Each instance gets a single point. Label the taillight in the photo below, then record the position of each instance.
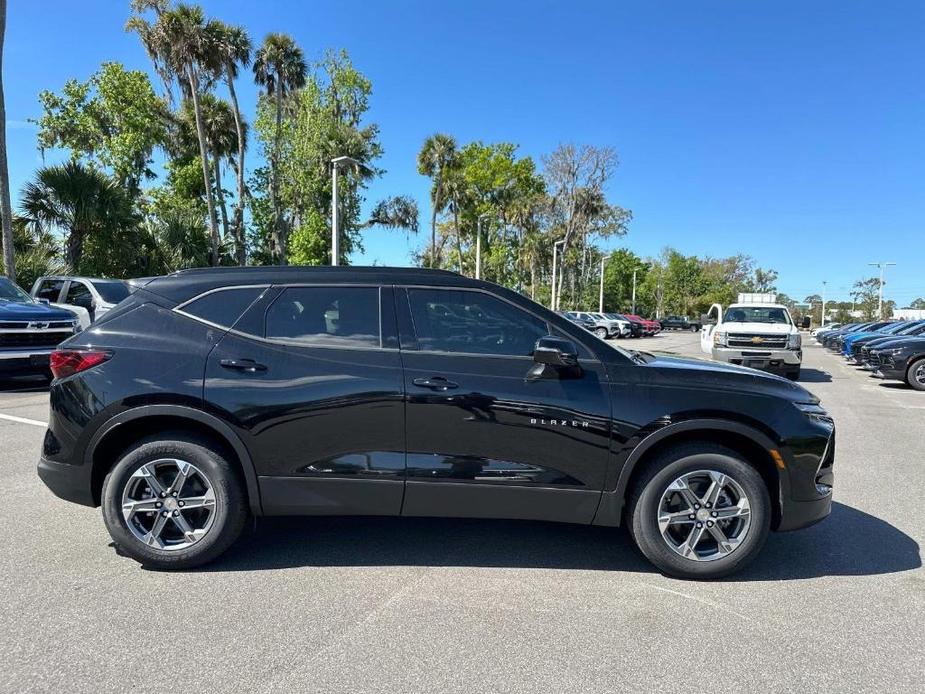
(66, 362)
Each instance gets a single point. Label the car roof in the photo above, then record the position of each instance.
(186, 284)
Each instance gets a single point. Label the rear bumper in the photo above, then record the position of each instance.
(68, 482)
(25, 360)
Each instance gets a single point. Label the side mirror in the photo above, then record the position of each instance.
(43, 301)
(555, 351)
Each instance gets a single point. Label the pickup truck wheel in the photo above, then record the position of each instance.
(699, 511)
(173, 502)
(915, 375)
(694, 328)
(601, 333)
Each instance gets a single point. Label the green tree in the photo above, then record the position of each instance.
(114, 119)
(279, 67)
(436, 158)
(618, 281)
(37, 254)
(866, 295)
(918, 303)
(182, 45)
(79, 202)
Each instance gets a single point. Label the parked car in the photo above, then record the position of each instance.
(95, 295)
(866, 345)
(836, 342)
(901, 360)
(885, 331)
(585, 323)
(649, 327)
(829, 338)
(680, 323)
(604, 325)
(821, 329)
(29, 331)
(388, 392)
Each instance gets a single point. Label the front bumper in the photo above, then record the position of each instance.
(775, 360)
(810, 481)
(21, 361)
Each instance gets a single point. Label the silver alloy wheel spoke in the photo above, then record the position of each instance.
(704, 515)
(153, 495)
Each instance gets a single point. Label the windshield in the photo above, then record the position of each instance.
(112, 291)
(10, 292)
(910, 328)
(756, 314)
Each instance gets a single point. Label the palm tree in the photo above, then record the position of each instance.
(233, 49)
(438, 153)
(77, 200)
(279, 67)
(6, 209)
(181, 43)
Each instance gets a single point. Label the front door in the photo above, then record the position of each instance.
(311, 377)
(706, 332)
(483, 440)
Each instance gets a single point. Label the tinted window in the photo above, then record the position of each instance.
(326, 316)
(50, 290)
(756, 314)
(223, 307)
(78, 294)
(473, 322)
(112, 292)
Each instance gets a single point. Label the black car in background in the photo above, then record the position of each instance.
(680, 323)
(901, 360)
(211, 395)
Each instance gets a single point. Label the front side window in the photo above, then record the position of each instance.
(326, 316)
(472, 322)
(78, 294)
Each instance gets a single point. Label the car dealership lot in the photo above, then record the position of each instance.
(369, 605)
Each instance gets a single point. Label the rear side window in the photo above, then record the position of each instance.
(223, 307)
(112, 291)
(326, 316)
(50, 290)
(79, 295)
(473, 323)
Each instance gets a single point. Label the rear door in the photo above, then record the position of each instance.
(311, 378)
(482, 440)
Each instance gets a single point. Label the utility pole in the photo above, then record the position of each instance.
(880, 265)
(478, 246)
(553, 304)
(824, 283)
(600, 306)
(634, 291)
(335, 204)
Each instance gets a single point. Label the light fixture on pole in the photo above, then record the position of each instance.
(335, 204)
(478, 245)
(553, 304)
(600, 306)
(880, 301)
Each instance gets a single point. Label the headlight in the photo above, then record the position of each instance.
(77, 326)
(814, 412)
(794, 341)
(719, 337)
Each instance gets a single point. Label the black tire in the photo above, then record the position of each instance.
(695, 328)
(794, 375)
(912, 371)
(601, 333)
(646, 496)
(230, 511)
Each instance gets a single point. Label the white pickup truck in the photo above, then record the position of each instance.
(757, 332)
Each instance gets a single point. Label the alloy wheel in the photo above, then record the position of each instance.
(919, 373)
(704, 515)
(169, 504)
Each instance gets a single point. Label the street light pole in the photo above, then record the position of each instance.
(553, 304)
(600, 303)
(880, 300)
(824, 283)
(634, 291)
(335, 204)
(478, 245)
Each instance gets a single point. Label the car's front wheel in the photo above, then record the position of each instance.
(173, 502)
(699, 511)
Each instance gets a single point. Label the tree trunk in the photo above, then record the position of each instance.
(279, 233)
(433, 222)
(74, 250)
(6, 209)
(240, 246)
(204, 157)
(458, 238)
(216, 162)
(533, 279)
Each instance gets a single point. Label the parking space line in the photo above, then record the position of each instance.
(23, 420)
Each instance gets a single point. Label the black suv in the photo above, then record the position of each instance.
(209, 395)
(680, 323)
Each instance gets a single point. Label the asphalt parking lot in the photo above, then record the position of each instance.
(373, 605)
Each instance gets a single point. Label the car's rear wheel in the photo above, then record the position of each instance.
(915, 374)
(601, 333)
(173, 502)
(699, 511)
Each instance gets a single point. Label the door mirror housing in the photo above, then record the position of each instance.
(555, 351)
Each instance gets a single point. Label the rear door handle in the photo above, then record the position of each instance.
(248, 365)
(435, 383)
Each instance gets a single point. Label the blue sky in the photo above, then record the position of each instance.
(793, 131)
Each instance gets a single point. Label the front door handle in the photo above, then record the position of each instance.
(435, 383)
(248, 365)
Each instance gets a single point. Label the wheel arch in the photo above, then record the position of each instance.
(752, 444)
(130, 425)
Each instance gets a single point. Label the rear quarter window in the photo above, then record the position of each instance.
(224, 306)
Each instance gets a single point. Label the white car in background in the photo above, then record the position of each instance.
(88, 297)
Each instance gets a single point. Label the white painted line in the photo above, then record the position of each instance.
(23, 420)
